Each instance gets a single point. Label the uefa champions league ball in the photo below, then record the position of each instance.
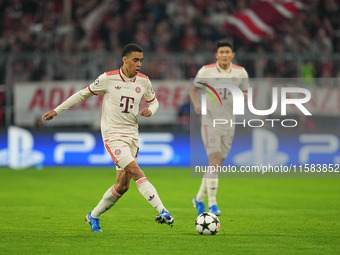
(207, 224)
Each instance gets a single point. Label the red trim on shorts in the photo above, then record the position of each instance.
(137, 153)
(110, 152)
(92, 91)
(206, 136)
(141, 181)
(114, 192)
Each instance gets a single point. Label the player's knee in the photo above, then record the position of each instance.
(215, 159)
(124, 188)
(121, 188)
(134, 171)
(216, 163)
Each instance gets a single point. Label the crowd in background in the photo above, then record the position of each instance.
(166, 27)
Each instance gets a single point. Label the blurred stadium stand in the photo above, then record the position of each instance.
(56, 40)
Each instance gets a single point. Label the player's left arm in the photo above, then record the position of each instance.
(245, 85)
(245, 94)
(150, 98)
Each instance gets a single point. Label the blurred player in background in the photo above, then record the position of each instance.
(123, 90)
(217, 140)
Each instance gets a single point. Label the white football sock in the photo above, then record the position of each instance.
(149, 192)
(202, 191)
(110, 197)
(212, 185)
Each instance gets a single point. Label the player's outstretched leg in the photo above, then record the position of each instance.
(165, 217)
(149, 192)
(151, 195)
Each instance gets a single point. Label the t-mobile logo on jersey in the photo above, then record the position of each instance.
(126, 104)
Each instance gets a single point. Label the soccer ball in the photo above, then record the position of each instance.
(207, 224)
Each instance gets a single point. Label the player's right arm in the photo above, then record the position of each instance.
(194, 93)
(99, 85)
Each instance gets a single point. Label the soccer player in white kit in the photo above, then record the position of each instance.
(123, 90)
(217, 140)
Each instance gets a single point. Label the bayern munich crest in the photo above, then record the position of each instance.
(117, 152)
(138, 90)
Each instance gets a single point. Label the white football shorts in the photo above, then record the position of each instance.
(123, 150)
(217, 140)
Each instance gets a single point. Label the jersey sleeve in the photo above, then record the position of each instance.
(99, 85)
(74, 99)
(149, 94)
(245, 81)
(200, 78)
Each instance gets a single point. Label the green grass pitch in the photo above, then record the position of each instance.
(43, 211)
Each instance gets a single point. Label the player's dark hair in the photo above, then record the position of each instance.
(224, 43)
(131, 47)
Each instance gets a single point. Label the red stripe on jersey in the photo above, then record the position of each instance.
(112, 72)
(110, 152)
(236, 66)
(92, 91)
(151, 100)
(114, 192)
(142, 75)
(121, 76)
(210, 65)
(141, 181)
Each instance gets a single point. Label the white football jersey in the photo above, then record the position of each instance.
(121, 100)
(213, 74)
